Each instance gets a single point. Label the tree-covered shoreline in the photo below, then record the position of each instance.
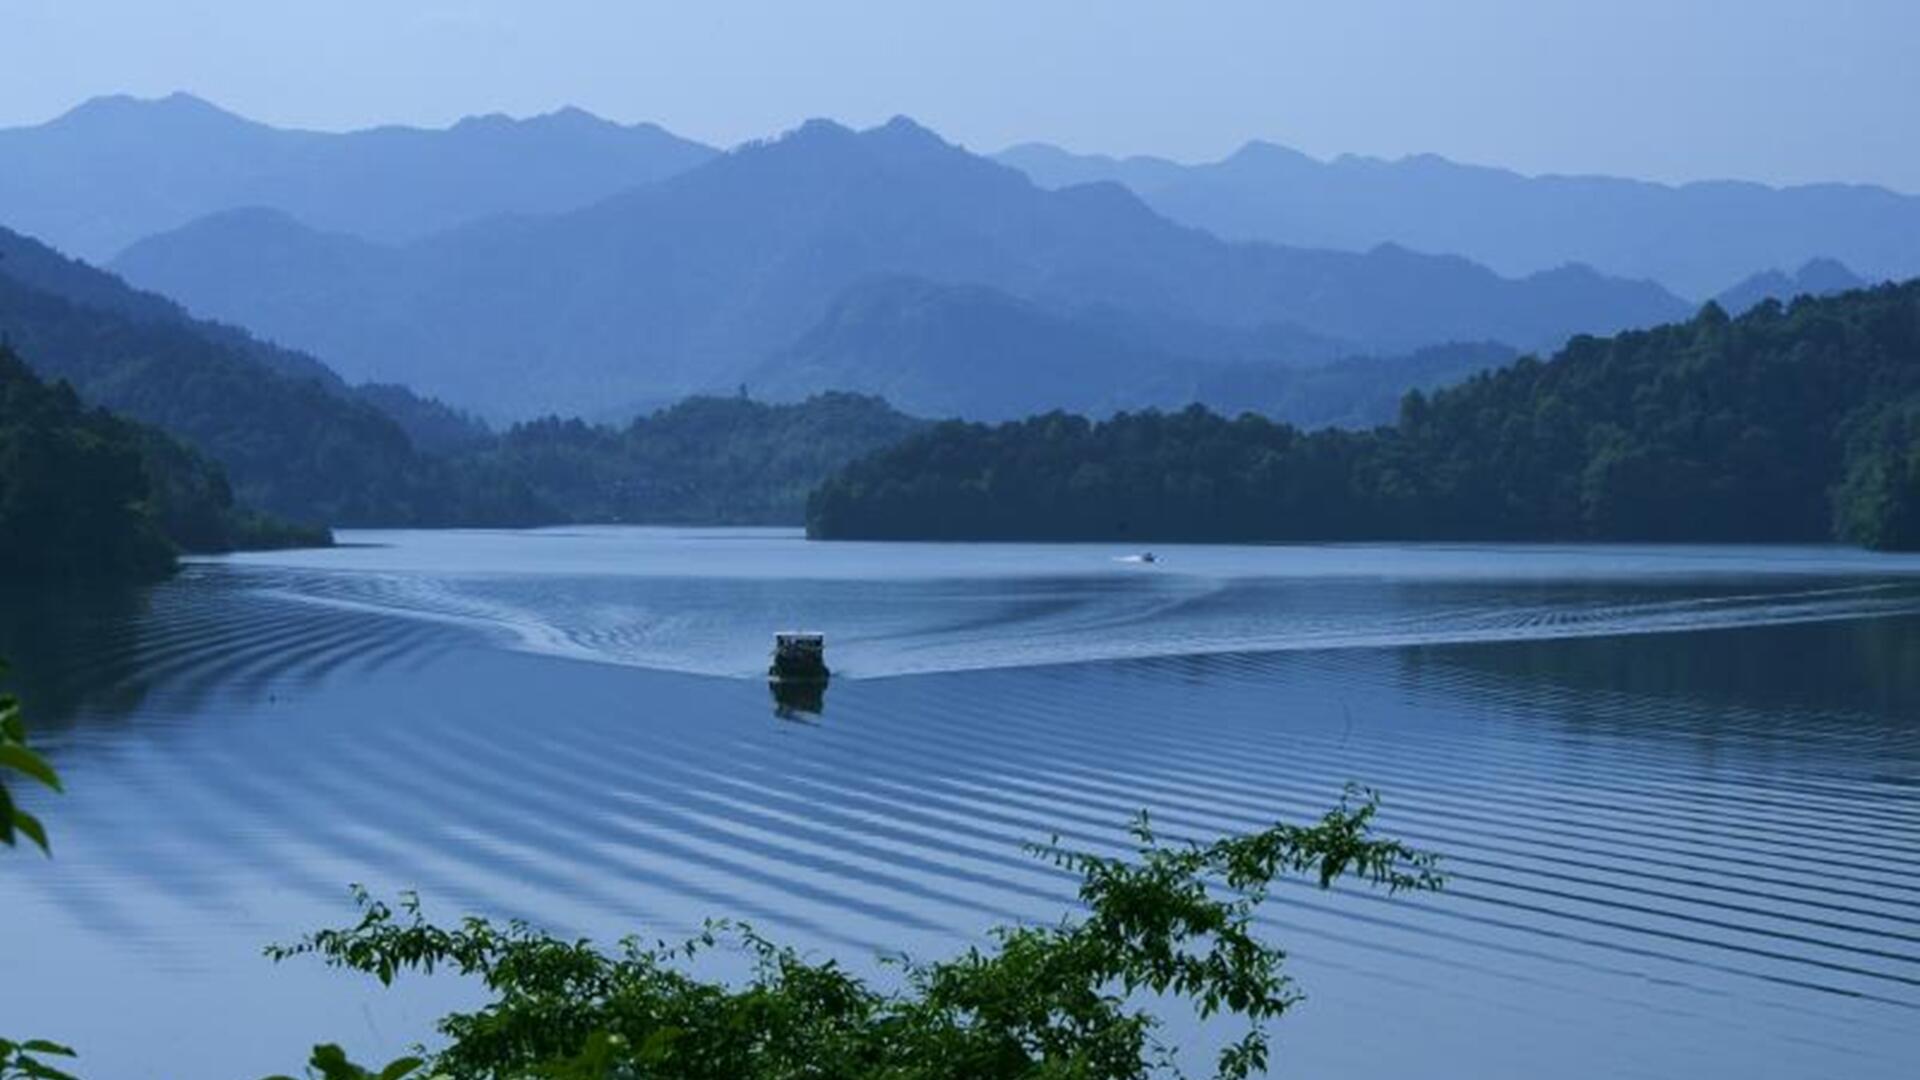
(1791, 424)
(88, 496)
(703, 461)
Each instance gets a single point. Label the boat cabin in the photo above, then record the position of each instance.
(799, 655)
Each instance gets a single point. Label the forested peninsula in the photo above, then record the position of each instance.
(1789, 423)
(86, 495)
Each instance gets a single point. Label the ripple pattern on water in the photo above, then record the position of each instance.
(712, 615)
(1672, 854)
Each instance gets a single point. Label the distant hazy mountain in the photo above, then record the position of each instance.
(117, 169)
(1818, 277)
(962, 350)
(692, 282)
(293, 438)
(433, 425)
(977, 353)
(1696, 239)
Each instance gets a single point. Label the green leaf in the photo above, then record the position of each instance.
(33, 1069)
(400, 1068)
(42, 1046)
(333, 1064)
(20, 759)
(30, 825)
(659, 1043)
(1175, 918)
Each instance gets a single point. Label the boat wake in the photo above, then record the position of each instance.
(887, 626)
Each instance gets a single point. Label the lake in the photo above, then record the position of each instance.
(1677, 789)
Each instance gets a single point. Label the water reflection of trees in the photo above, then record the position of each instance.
(1867, 665)
(1764, 687)
(73, 649)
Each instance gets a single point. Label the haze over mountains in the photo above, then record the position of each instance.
(565, 264)
(1817, 277)
(905, 339)
(117, 169)
(1695, 239)
(298, 441)
(693, 282)
(293, 437)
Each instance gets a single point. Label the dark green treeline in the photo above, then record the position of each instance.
(1797, 423)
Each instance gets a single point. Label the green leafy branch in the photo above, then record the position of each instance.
(24, 1060)
(15, 757)
(1062, 1000)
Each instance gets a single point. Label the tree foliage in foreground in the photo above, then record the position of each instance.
(1790, 423)
(17, 758)
(1072, 999)
(28, 1060)
(25, 1059)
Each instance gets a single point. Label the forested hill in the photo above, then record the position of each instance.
(85, 495)
(707, 460)
(295, 440)
(1796, 423)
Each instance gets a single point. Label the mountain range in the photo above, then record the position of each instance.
(1695, 239)
(277, 430)
(117, 169)
(974, 352)
(693, 282)
(566, 264)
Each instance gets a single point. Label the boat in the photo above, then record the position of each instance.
(799, 656)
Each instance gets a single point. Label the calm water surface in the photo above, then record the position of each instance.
(1677, 789)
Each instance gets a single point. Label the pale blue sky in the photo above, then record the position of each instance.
(1776, 90)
